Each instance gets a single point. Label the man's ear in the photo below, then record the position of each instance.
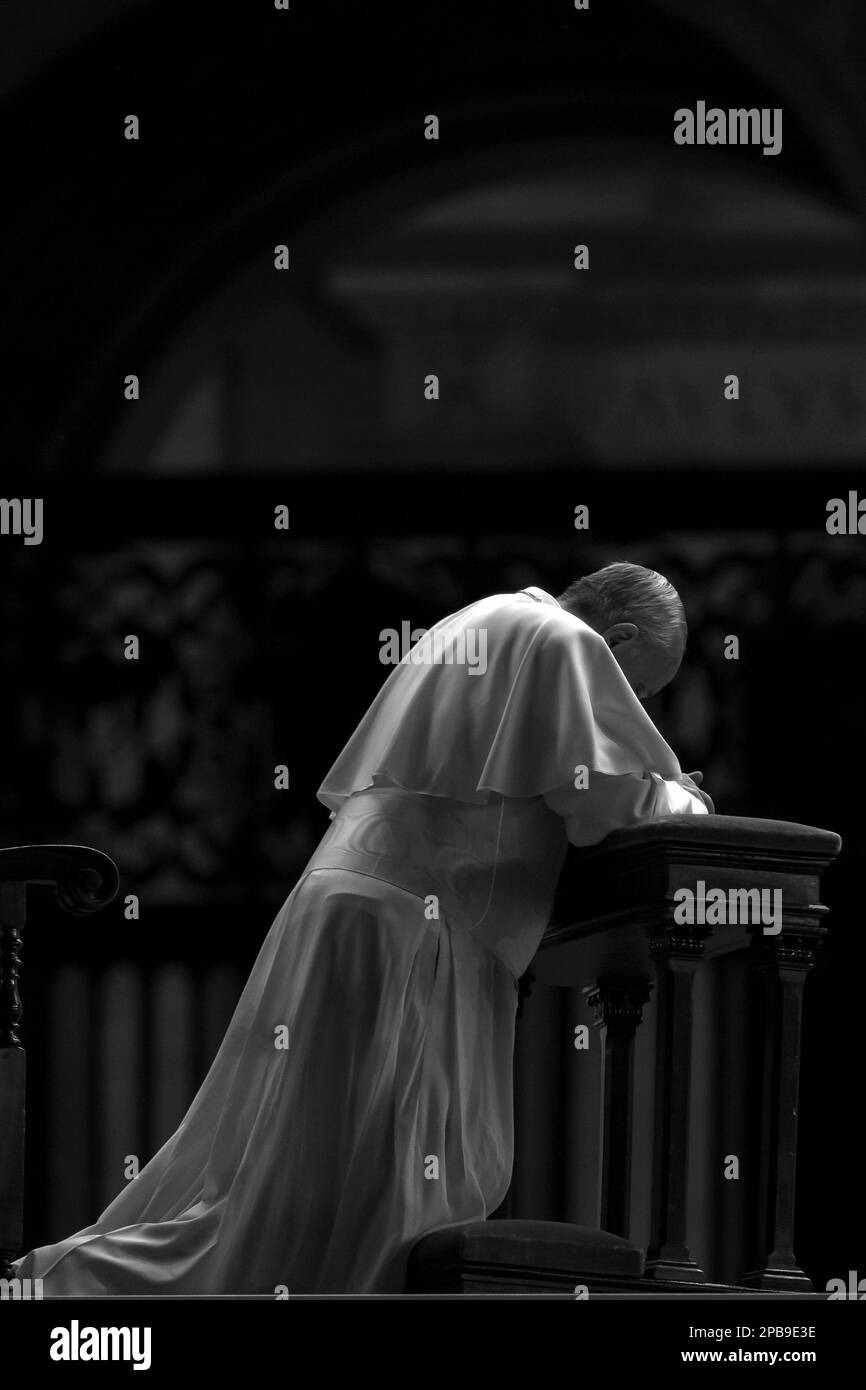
(620, 632)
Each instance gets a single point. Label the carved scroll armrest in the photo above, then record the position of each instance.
(85, 879)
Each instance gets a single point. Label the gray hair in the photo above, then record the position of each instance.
(623, 593)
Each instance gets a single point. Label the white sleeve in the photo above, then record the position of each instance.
(611, 802)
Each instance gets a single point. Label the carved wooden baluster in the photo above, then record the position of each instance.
(85, 881)
(12, 1075)
(618, 1007)
(782, 964)
(677, 957)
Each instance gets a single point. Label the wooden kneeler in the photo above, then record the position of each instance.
(523, 1257)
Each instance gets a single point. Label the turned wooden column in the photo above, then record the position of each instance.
(782, 963)
(677, 955)
(13, 1070)
(618, 1007)
(85, 880)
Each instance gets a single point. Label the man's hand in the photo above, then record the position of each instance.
(696, 778)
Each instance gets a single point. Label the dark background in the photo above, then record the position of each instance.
(306, 388)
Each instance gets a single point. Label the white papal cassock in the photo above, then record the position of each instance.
(393, 965)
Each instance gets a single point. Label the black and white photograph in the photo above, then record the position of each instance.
(433, 636)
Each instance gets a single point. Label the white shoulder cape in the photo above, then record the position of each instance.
(551, 697)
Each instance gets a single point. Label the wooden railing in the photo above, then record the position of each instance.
(85, 880)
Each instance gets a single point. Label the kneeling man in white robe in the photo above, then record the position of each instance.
(362, 1095)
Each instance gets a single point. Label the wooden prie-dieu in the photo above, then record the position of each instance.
(707, 1013)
